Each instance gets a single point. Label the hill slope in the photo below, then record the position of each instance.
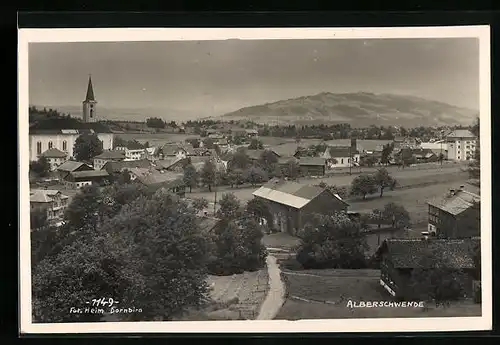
(358, 109)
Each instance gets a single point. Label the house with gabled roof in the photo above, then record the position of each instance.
(399, 257)
(342, 156)
(71, 166)
(455, 215)
(55, 157)
(154, 179)
(292, 204)
(80, 179)
(54, 202)
(108, 156)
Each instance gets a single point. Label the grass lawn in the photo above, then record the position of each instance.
(324, 294)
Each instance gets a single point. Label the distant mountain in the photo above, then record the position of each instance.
(128, 114)
(359, 109)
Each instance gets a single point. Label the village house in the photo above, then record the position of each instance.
(172, 164)
(399, 257)
(438, 147)
(291, 203)
(405, 142)
(71, 166)
(55, 158)
(173, 150)
(115, 168)
(461, 145)
(108, 156)
(79, 179)
(342, 156)
(251, 133)
(151, 178)
(416, 155)
(456, 215)
(312, 166)
(52, 201)
(135, 155)
(286, 150)
(202, 151)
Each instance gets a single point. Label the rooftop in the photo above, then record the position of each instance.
(54, 153)
(461, 133)
(89, 173)
(152, 177)
(412, 253)
(286, 149)
(45, 195)
(108, 154)
(72, 166)
(119, 166)
(288, 193)
(457, 202)
(312, 161)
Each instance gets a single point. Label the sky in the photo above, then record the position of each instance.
(205, 78)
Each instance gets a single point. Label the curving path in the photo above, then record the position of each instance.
(276, 293)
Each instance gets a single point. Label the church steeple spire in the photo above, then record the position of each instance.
(90, 91)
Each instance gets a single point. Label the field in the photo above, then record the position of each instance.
(324, 294)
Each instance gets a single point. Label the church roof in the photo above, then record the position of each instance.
(90, 91)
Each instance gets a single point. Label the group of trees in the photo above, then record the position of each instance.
(392, 214)
(144, 248)
(40, 167)
(155, 122)
(87, 146)
(129, 144)
(365, 184)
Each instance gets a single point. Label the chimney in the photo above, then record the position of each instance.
(461, 187)
(425, 235)
(452, 191)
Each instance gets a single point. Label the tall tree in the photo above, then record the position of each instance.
(255, 144)
(255, 175)
(396, 215)
(191, 177)
(208, 174)
(268, 161)
(87, 146)
(293, 169)
(363, 185)
(41, 167)
(229, 207)
(239, 160)
(333, 241)
(384, 180)
(258, 209)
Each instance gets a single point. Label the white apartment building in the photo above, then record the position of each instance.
(461, 144)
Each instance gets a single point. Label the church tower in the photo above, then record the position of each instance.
(89, 104)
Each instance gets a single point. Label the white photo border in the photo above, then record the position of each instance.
(484, 322)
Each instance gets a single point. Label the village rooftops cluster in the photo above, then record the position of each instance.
(45, 195)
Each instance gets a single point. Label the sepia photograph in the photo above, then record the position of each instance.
(208, 180)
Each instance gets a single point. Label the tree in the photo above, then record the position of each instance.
(236, 177)
(41, 167)
(396, 215)
(239, 160)
(258, 209)
(363, 185)
(82, 210)
(268, 161)
(87, 146)
(199, 204)
(292, 169)
(208, 174)
(255, 175)
(369, 161)
(191, 177)
(38, 218)
(208, 143)
(154, 122)
(435, 280)
(124, 177)
(384, 180)
(229, 207)
(333, 241)
(238, 247)
(341, 191)
(377, 216)
(255, 144)
(386, 153)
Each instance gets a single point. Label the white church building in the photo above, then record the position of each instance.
(41, 140)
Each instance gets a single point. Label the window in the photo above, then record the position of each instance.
(356, 159)
(65, 145)
(38, 148)
(348, 160)
(91, 112)
(50, 145)
(342, 161)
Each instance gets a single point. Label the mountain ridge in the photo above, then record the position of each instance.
(359, 109)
